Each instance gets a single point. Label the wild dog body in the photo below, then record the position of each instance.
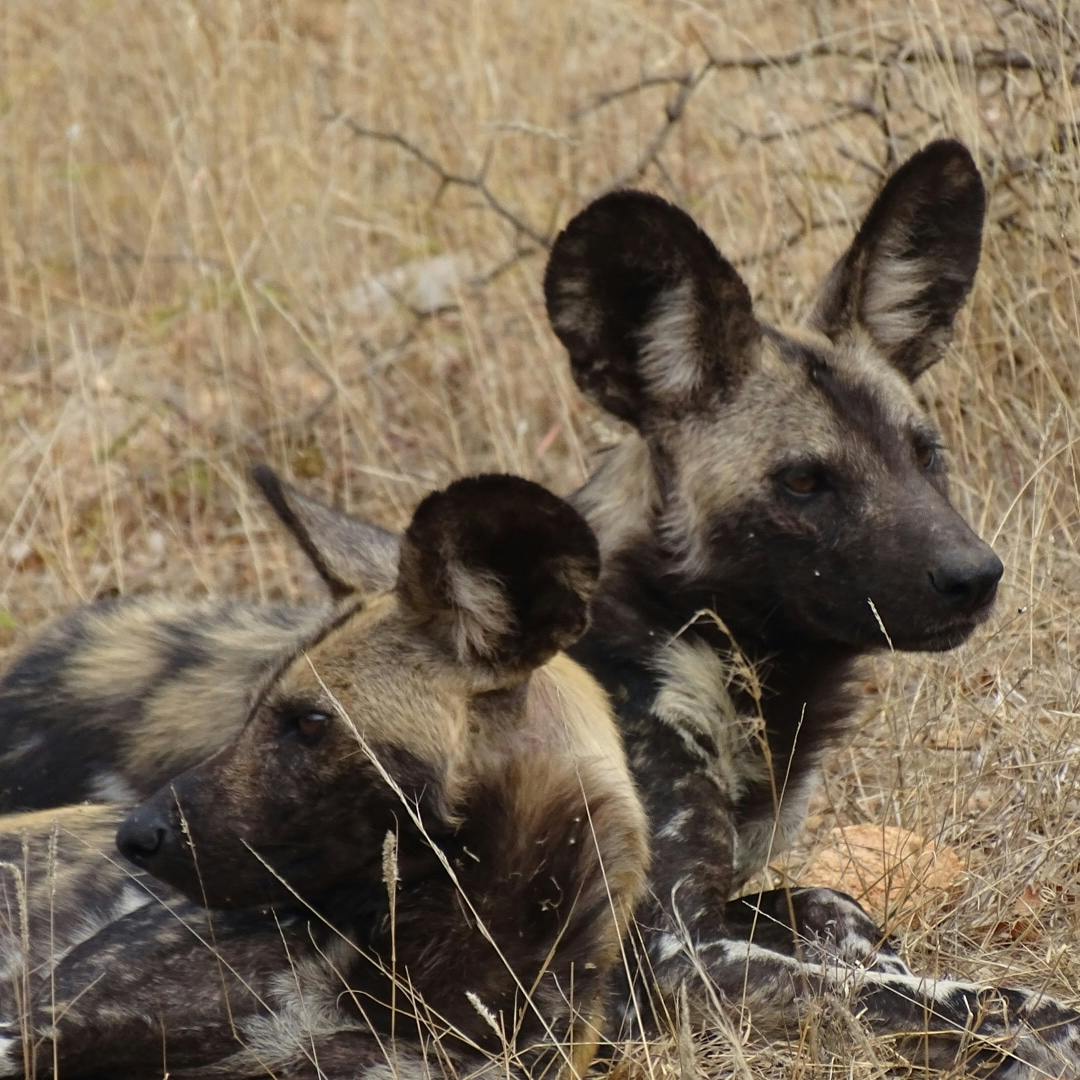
(779, 511)
(116, 698)
(437, 809)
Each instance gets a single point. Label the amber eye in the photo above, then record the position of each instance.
(927, 455)
(311, 726)
(802, 480)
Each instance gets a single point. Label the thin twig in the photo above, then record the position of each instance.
(447, 177)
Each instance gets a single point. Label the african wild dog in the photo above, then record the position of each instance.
(789, 484)
(434, 805)
(780, 510)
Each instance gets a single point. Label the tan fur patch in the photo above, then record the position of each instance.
(482, 615)
(622, 496)
(694, 700)
(670, 358)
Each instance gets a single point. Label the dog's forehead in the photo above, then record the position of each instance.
(851, 377)
(369, 658)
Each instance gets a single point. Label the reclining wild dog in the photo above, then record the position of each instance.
(435, 803)
(788, 483)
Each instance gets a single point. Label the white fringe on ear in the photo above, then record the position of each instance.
(670, 359)
(892, 285)
(482, 616)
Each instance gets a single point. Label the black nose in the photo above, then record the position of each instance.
(968, 583)
(140, 836)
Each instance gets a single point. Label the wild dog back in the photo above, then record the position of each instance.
(428, 743)
(114, 699)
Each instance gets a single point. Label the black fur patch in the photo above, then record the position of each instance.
(530, 545)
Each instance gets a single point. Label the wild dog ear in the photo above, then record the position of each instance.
(502, 569)
(913, 260)
(350, 555)
(655, 319)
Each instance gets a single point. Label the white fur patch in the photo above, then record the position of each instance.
(482, 613)
(111, 787)
(695, 701)
(11, 1058)
(670, 356)
(892, 286)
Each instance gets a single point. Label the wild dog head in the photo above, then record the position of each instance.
(396, 704)
(793, 476)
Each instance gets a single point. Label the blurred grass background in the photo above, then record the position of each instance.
(312, 233)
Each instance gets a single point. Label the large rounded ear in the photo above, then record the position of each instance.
(655, 319)
(501, 570)
(349, 555)
(913, 261)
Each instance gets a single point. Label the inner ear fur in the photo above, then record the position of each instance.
(350, 555)
(655, 319)
(501, 568)
(912, 262)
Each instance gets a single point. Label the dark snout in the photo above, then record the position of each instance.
(141, 835)
(956, 579)
(967, 579)
(151, 837)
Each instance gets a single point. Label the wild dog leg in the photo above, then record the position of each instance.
(775, 972)
(815, 924)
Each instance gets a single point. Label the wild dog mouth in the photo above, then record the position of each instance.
(937, 639)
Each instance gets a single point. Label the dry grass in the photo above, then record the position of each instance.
(193, 219)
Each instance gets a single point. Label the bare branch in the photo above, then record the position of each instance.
(983, 57)
(674, 112)
(646, 82)
(448, 177)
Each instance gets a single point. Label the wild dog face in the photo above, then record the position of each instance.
(397, 703)
(794, 475)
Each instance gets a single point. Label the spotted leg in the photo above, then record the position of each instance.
(781, 950)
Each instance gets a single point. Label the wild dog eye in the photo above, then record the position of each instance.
(803, 480)
(309, 724)
(927, 456)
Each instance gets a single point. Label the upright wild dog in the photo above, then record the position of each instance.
(788, 483)
(423, 843)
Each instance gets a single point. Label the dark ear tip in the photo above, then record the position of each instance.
(538, 548)
(947, 149)
(265, 479)
(500, 509)
(953, 161)
(273, 490)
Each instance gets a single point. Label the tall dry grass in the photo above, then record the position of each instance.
(198, 198)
